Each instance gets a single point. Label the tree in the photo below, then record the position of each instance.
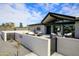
(12, 25)
(21, 25)
(3, 24)
(7, 26)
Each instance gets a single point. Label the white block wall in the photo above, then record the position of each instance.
(68, 46)
(39, 46)
(77, 29)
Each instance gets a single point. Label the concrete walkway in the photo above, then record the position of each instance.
(54, 54)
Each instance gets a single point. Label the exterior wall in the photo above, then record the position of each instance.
(77, 29)
(2, 35)
(34, 27)
(53, 44)
(24, 28)
(68, 46)
(38, 45)
(43, 29)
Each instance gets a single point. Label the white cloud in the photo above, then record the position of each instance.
(70, 10)
(18, 13)
(49, 6)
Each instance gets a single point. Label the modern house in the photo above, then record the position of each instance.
(66, 40)
(59, 24)
(65, 27)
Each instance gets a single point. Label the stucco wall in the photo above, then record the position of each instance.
(68, 46)
(53, 44)
(40, 46)
(34, 27)
(44, 46)
(77, 29)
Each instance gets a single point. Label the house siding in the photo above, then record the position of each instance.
(42, 28)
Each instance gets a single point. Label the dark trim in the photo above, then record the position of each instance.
(53, 15)
(45, 17)
(63, 15)
(35, 24)
(76, 20)
(56, 44)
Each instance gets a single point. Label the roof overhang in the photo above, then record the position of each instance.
(53, 16)
(35, 24)
(48, 19)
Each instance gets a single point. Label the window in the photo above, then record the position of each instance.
(38, 28)
(69, 29)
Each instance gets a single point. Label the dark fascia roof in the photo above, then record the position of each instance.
(35, 24)
(52, 14)
(77, 18)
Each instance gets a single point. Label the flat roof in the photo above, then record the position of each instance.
(35, 24)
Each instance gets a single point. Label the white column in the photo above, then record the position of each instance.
(5, 37)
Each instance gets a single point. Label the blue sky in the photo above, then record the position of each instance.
(31, 13)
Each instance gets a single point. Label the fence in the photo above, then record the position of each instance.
(68, 46)
(45, 46)
(40, 46)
